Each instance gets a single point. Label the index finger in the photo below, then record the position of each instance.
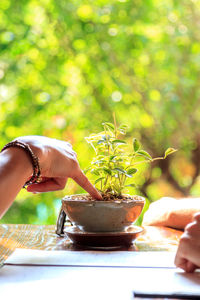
(84, 182)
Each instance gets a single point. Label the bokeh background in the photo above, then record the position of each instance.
(66, 66)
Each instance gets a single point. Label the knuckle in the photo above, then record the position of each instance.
(191, 227)
(74, 163)
(197, 217)
(184, 239)
(75, 170)
(184, 245)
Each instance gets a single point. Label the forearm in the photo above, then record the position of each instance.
(172, 212)
(15, 169)
(183, 211)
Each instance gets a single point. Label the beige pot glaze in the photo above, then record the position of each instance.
(102, 216)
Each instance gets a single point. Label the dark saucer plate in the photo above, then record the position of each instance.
(103, 239)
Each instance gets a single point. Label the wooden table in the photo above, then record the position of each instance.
(44, 238)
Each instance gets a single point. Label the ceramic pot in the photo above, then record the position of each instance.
(102, 216)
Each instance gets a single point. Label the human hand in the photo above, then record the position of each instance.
(58, 162)
(171, 212)
(188, 253)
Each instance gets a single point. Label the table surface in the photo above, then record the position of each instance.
(43, 237)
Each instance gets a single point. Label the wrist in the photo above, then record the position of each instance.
(32, 158)
(16, 162)
(37, 148)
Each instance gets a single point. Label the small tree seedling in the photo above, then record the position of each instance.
(115, 160)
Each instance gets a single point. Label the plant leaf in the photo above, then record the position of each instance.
(131, 184)
(132, 171)
(106, 137)
(100, 156)
(136, 145)
(100, 142)
(145, 154)
(119, 142)
(100, 161)
(99, 179)
(119, 170)
(108, 171)
(112, 157)
(110, 125)
(123, 129)
(119, 159)
(169, 151)
(87, 170)
(95, 172)
(128, 175)
(122, 172)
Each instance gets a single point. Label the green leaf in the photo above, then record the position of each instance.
(119, 142)
(110, 125)
(132, 171)
(100, 142)
(112, 157)
(106, 137)
(99, 179)
(136, 145)
(131, 184)
(123, 126)
(99, 158)
(169, 151)
(100, 161)
(145, 154)
(87, 170)
(100, 169)
(128, 175)
(108, 171)
(95, 172)
(123, 129)
(119, 170)
(120, 160)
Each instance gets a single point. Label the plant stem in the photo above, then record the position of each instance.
(106, 180)
(133, 156)
(115, 124)
(107, 140)
(148, 161)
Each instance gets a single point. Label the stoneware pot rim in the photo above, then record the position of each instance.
(134, 198)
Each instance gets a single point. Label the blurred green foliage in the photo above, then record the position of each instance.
(66, 66)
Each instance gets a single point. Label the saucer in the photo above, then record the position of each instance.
(103, 239)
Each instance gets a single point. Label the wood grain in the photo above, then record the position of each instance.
(44, 238)
(29, 237)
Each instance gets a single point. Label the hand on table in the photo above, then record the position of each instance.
(188, 253)
(171, 212)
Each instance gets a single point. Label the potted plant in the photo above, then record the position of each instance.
(114, 165)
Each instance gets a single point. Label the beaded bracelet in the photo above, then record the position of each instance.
(35, 178)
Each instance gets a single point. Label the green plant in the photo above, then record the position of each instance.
(115, 160)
